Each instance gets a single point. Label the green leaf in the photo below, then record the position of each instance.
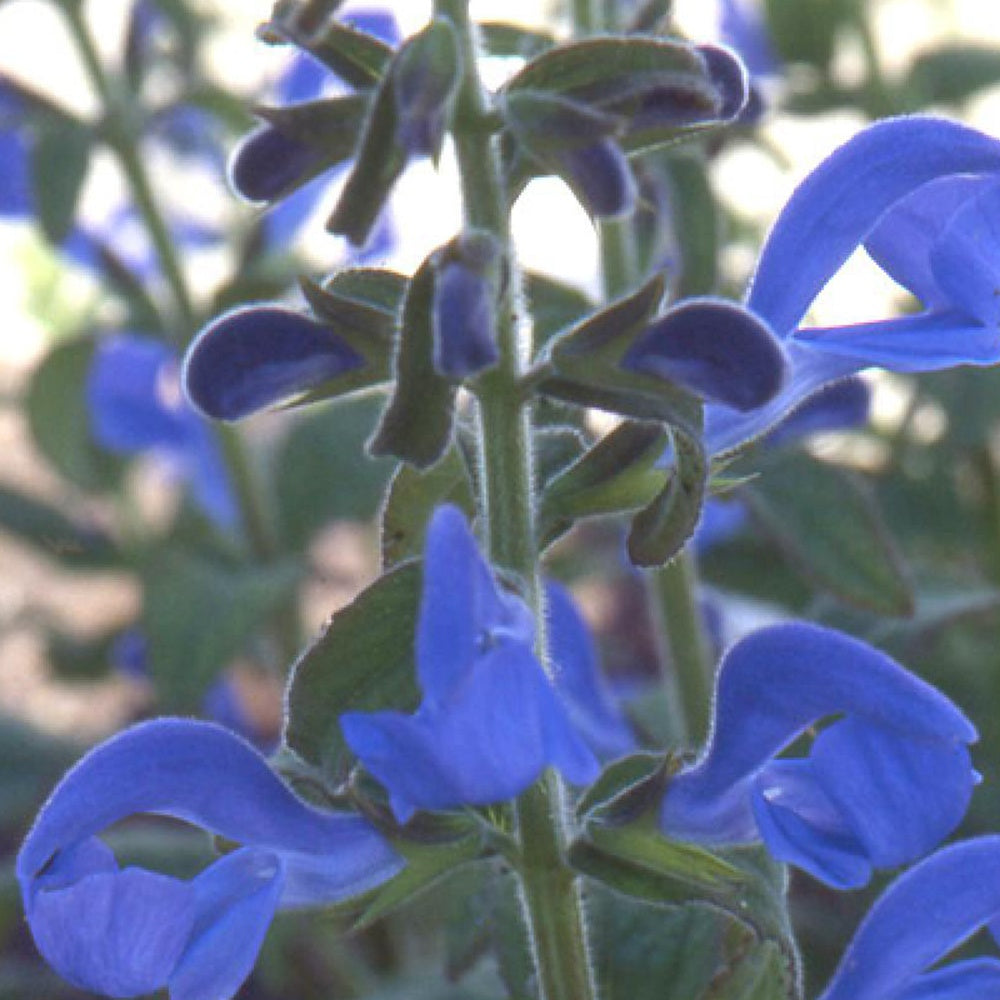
(359, 59)
(60, 420)
(951, 74)
(198, 615)
(413, 495)
(646, 952)
(499, 39)
(618, 474)
(827, 523)
(660, 531)
(417, 424)
(75, 544)
(363, 661)
(625, 789)
(60, 158)
(554, 306)
(806, 30)
(426, 864)
(756, 973)
(332, 439)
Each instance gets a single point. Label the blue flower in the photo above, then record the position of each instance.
(17, 200)
(124, 932)
(490, 721)
(834, 211)
(882, 785)
(928, 911)
(135, 405)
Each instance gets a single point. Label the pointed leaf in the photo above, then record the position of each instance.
(60, 159)
(830, 527)
(363, 661)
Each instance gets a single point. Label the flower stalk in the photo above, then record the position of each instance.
(550, 893)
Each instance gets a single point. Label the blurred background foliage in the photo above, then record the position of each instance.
(173, 567)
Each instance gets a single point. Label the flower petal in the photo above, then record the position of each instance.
(256, 356)
(841, 201)
(840, 406)
(128, 395)
(462, 610)
(964, 259)
(578, 678)
(976, 977)
(119, 933)
(234, 903)
(600, 177)
(901, 242)
(727, 429)
(771, 686)
(268, 163)
(488, 744)
(926, 912)
(203, 774)
(465, 339)
(801, 825)
(717, 348)
(925, 342)
(901, 797)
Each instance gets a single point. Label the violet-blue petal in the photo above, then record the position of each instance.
(720, 520)
(965, 259)
(900, 797)
(303, 79)
(770, 687)
(714, 347)
(600, 177)
(200, 773)
(234, 902)
(260, 355)
(465, 339)
(841, 406)
(463, 613)
(839, 204)
(975, 977)
(925, 342)
(578, 679)
(809, 371)
(119, 933)
(267, 163)
(730, 77)
(17, 201)
(923, 915)
(130, 400)
(487, 744)
(742, 26)
(801, 826)
(901, 242)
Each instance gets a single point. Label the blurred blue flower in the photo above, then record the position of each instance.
(490, 721)
(125, 932)
(741, 26)
(17, 200)
(926, 913)
(882, 785)
(136, 405)
(847, 200)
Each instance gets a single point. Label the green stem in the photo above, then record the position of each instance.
(883, 102)
(673, 593)
(123, 137)
(587, 19)
(549, 887)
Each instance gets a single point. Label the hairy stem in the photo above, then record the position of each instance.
(549, 887)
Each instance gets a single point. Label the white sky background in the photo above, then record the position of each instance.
(553, 233)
